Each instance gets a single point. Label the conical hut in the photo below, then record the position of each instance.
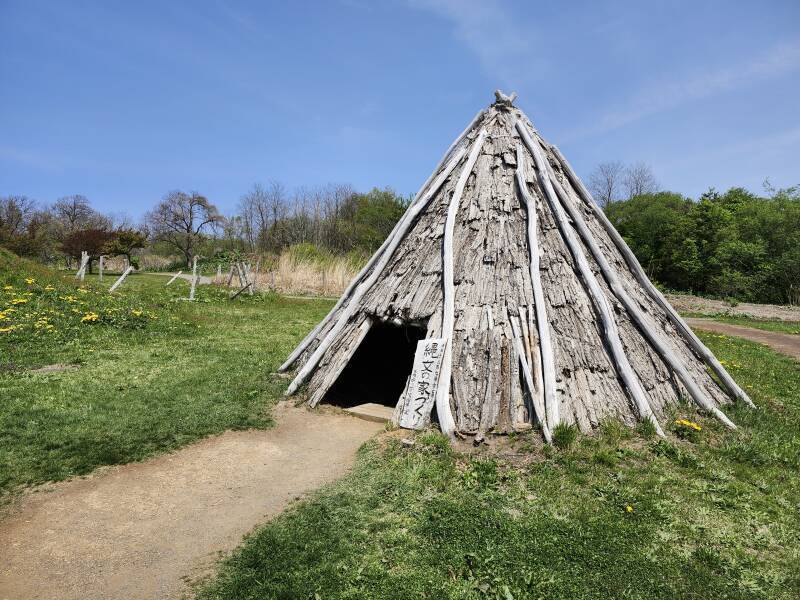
(505, 298)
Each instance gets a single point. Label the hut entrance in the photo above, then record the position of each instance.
(378, 370)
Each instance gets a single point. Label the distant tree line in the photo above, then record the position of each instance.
(268, 219)
(736, 244)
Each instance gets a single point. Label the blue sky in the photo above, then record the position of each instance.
(124, 101)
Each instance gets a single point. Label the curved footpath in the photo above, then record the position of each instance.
(145, 530)
(782, 342)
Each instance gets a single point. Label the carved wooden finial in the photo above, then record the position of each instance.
(503, 99)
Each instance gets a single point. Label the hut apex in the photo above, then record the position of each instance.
(504, 299)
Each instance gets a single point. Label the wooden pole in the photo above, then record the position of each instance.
(443, 410)
(122, 277)
(377, 267)
(635, 313)
(230, 276)
(255, 274)
(636, 269)
(450, 159)
(100, 267)
(538, 404)
(174, 277)
(610, 331)
(542, 322)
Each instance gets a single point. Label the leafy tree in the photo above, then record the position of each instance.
(124, 242)
(93, 241)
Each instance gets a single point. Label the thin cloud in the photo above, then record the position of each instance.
(658, 96)
(501, 45)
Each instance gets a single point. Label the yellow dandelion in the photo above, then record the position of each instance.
(629, 508)
(90, 317)
(7, 329)
(30, 280)
(16, 301)
(8, 287)
(49, 288)
(136, 313)
(83, 290)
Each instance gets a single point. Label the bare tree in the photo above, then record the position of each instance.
(74, 212)
(605, 182)
(639, 179)
(180, 220)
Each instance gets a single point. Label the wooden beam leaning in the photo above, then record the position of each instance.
(666, 354)
(538, 405)
(173, 278)
(443, 411)
(636, 269)
(351, 287)
(381, 260)
(610, 331)
(239, 291)
(542, 322)
(122, 277)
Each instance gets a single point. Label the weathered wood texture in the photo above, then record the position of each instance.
(122, 278)
(531, 260)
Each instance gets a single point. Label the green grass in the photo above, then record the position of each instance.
(146, 383)
(792, 327)
(618, 515)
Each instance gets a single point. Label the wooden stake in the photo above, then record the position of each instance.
(240, 291)
(194, 278)
(122, 277)
(174, 277)
(100, 267)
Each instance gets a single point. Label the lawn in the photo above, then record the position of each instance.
(153, 372)
(715, 514)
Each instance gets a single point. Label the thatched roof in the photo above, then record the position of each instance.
(545, 315)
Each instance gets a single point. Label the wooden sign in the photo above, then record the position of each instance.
(420, 393)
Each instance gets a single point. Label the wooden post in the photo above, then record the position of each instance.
(636, 269)
(218, 278)
(547, 390)
(82, 268)
(538, 406)
(230, 276)
(194, 278)
(595, 292)
(100, 267)
(635, 313)
(255, 274)
(443, 410)
(122, 277)
(174, 277)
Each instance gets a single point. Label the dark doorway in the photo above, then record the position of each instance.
(378, 370)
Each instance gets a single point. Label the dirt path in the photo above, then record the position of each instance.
(782, 342)
(142, 530)
(694, 304)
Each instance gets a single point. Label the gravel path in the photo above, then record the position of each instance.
(782, 342)
(144, 530)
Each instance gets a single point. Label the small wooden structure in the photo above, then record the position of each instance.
(541, 312)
